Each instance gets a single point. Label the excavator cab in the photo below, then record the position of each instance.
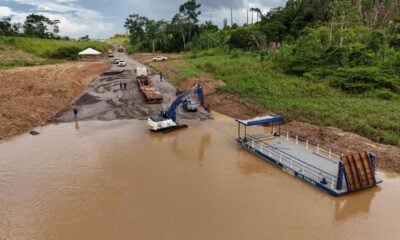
(164, 114)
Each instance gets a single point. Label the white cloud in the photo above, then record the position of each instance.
(76, 21)
(61, 6)
(102, 18)
(5, 11)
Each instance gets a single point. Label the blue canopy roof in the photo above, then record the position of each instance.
(260, 120)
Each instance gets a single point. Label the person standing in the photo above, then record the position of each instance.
(75, 110)
(161, 76)
(125, 85)
(120, 85)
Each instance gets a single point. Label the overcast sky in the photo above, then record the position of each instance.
(104, 18)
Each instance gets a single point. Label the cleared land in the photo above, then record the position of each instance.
(105, 100)
(247, 88)
(29, 96)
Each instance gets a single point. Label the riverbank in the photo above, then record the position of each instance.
(222, 97)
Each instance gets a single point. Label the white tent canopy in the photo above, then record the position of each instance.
(89, 51)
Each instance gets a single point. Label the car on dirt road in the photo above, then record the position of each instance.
(115, 61)
(159, 58)
(190, 105)
(122, 63)
(110, 53)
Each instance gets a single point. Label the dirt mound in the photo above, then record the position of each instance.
(29, 96)
(210, 85)
(10, 55)
(86, 99)
(232, 106)
(347, 142)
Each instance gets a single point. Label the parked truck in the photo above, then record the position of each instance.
(152, 95)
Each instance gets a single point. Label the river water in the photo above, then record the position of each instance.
(116, 180)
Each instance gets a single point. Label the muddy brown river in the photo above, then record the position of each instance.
(116, 180)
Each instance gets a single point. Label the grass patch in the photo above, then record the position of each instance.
(46, 48)
(5, 66)
(374, 114)
(120, 39)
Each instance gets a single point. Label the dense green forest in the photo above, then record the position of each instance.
(328, 62)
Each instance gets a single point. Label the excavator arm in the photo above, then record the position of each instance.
(166, 121)
(198, 89)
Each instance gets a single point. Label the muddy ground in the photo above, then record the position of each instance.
(233, 106)
(105, 100)
(29, 96)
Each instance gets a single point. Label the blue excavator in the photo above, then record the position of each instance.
(166, 120)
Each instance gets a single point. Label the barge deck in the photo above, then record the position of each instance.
(322, 167)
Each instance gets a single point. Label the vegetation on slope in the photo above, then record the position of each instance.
(44, 51)
(295, 97)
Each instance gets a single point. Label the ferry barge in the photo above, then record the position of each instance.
(324, 168)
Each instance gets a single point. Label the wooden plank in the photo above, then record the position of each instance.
(358, 171)
(368, 168)
(353, 166)
(348, 174)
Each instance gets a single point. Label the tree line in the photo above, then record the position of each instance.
(173, 35)
(35, 25)
(282, 24)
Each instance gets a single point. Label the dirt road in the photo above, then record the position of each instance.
(29, 96)
(105, 100)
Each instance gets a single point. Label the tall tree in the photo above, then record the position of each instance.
(56, 28)
(136, 26)
(179, 25)
(36, 25)
(225, 23)
(5, 26)
(252, 15)
(16, 27)
(155, 31)
(343, 14)
(190, 11)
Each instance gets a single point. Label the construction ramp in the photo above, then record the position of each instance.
(359, 171)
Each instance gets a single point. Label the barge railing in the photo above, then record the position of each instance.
(325, 151)
(292, 163)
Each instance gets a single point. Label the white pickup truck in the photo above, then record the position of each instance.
(159, 58)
